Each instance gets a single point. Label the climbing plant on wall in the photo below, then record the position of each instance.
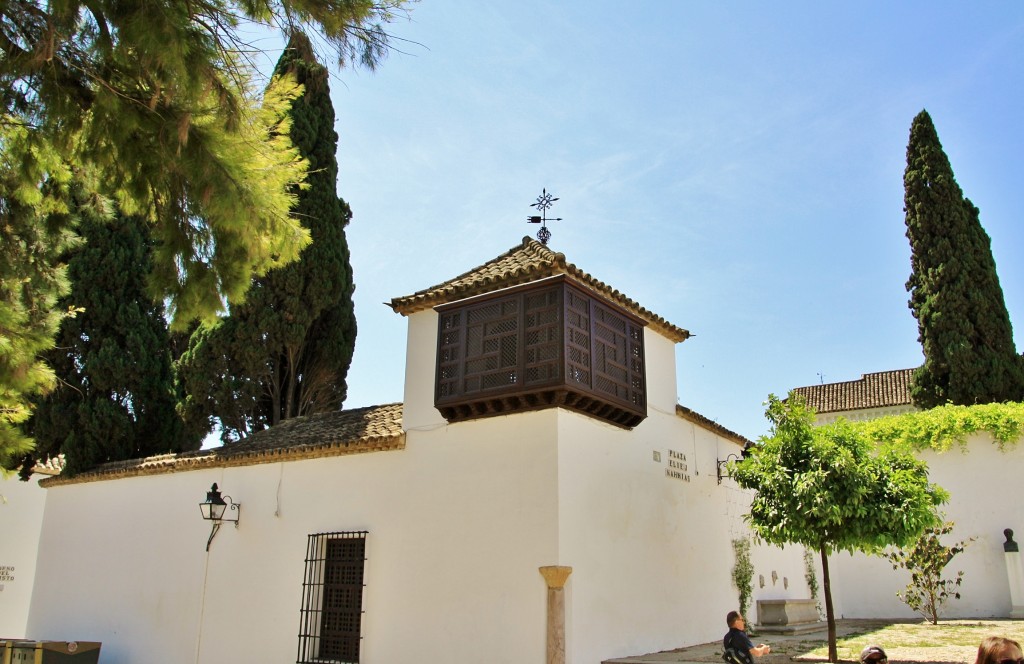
(743, 572)
(811, 577)
(941, 427)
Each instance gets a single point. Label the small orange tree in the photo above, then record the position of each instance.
(827, 489)
(926, 560)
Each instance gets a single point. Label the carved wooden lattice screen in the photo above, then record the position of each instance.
(604, 350)
(551, 345)
(499, 345)
(492, 346)
(542, 337)
(449, 354)
(577, 339)
(332, 602)
(619, 357)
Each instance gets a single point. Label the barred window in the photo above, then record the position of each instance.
(332, 598)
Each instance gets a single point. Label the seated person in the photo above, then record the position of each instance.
(737, 638)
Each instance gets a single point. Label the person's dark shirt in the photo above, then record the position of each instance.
(737, 639)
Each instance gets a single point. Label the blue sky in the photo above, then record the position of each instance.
(735, 167)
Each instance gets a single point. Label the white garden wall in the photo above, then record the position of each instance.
(983, 485)
(21, 518)
(648, 532)
(458, 524)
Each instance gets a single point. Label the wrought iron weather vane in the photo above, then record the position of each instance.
(544, 201)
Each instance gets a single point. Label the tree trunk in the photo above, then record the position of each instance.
(826, 584)
(933, 604)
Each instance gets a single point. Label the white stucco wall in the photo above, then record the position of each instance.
(660, 363)
(418, 410)
(651, 552)
(983, 502)
(458, 524)
(22, 505)
(864, 414)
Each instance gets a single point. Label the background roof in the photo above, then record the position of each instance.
(874, 390)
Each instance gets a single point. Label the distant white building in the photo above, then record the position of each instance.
(981, 480)
(538, 494)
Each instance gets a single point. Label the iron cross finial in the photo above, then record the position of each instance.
(544, 201)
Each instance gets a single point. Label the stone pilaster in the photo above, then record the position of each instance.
(556, 576)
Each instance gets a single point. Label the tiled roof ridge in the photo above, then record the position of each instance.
(528, 244)
(883, 373)
(877, 389)
(335, 433)
(697, 418)
(543, 262)
(862, 379)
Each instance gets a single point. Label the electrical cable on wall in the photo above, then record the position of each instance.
(280, 480)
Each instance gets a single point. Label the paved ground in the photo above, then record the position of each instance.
(784, 647)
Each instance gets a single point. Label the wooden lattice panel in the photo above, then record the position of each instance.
(449, 354)
(542, 336)
(537, 347)
(577, 339)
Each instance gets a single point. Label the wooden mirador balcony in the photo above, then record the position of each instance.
(547, 344)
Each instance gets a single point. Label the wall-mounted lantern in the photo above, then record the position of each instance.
(216, 510)
(722, 463)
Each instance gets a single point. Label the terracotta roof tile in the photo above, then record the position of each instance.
(711, 425)
(525, 263)
(873, 390)
(370, 429)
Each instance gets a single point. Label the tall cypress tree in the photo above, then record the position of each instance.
(955, 295)
(115, 396)
(286, 350)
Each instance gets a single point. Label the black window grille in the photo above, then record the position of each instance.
(332, 598)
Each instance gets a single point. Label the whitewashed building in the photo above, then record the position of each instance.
(21, 520)
(539, 493)
(982, 481)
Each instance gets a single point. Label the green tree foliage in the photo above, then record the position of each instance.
(286, 350)
(152, 106)
(926, 560)
(827, 489)
(115, 397)
(955, 295)
(34, 223)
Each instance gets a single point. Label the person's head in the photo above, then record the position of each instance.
(997, 650)
(734, 617)
(873, 655)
